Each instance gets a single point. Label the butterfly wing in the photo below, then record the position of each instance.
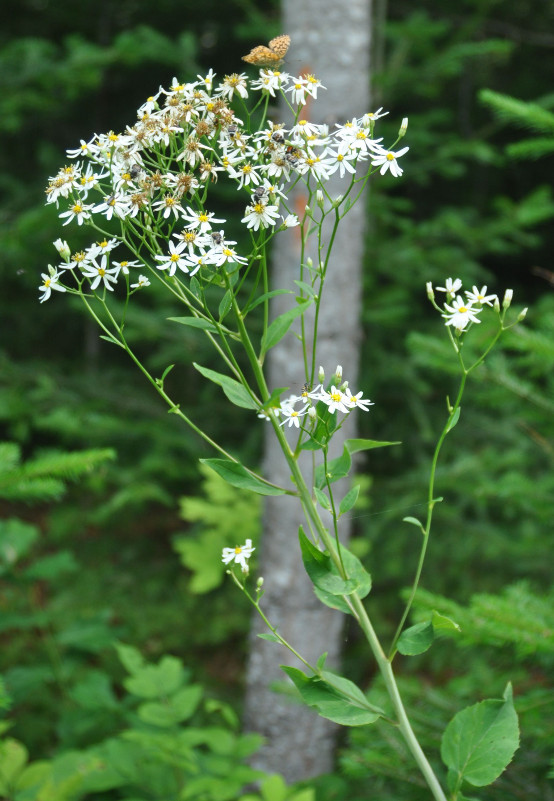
(271, 56)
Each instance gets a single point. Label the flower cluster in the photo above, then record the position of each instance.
(336, 398)
(460, 312)
(147, 186)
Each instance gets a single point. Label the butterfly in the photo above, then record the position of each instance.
(270, 56)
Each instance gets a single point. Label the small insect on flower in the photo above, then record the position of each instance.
(293, 155)
(270, 56)
(278, 137)
(259, 193)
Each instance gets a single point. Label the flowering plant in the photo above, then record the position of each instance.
(144, 194)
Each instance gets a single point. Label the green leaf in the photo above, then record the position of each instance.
(414, 522)
(196, 322)
(175, 709)
(355, 445)
(279, 327)
(333, 697)
(156, 681)
(307, 288)
(130, 657)
(269, 636)
(274, 398)
(336, 469)
(455, 418)
(417, 639)
(326, 578)
(265, 296)
(349, 500)
(236, 392)
(238, 476)
(13, 758)
(322, 570)
(322, 499)
(443, 623)
(480, 741)
(225, 304)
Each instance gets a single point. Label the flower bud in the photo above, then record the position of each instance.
(312, 412)
(403, 127)
(338, 372)
(430, 293)
(338, 200)
(321, 375)
(319, 198)
(260, 583)
(63, 249)
(508, 295)
(344, 386)
(522, 315)
(496, 304)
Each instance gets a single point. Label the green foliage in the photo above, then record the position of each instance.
(43, 477)
(224, 516)
(168, 748)
(480, 742)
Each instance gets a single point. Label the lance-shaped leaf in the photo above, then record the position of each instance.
(197, 322)
(355, 445)
(235, 391)
(279, 327)
(334, 697)
(480, 741)
(238, 476)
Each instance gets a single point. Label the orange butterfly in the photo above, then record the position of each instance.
(270, 56)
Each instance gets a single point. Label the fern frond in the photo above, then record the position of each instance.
(526, 115)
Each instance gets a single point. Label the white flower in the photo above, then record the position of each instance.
(101, 273)
(142, 281)
(170, 205)
(451, 286)
(334, 400)
(292, 416)
(259, 215)
(460, 314)
(480, 296)
(239, 555)
(201, 220)
(174, 260)
(233, 84)
(77, 211)
(290, 221)
(356, 400)
(388, 161)
(371, 116)
(50, 282)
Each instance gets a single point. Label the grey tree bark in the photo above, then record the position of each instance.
(331, 40)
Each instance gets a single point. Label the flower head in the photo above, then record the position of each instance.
(238, 555)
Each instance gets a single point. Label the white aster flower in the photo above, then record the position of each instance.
(233, 84)
(451, 286)
(101, 273)
(78, 211)
(259, 215)
(292, 416)
(238, 555)
(480, 296)
(174, 259)
(50, 282)
(460, 313)
(357, 400)
(142, 281)
(201, 220)
(334, 400)
(388, 161)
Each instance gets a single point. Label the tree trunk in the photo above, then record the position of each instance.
(331, 41)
